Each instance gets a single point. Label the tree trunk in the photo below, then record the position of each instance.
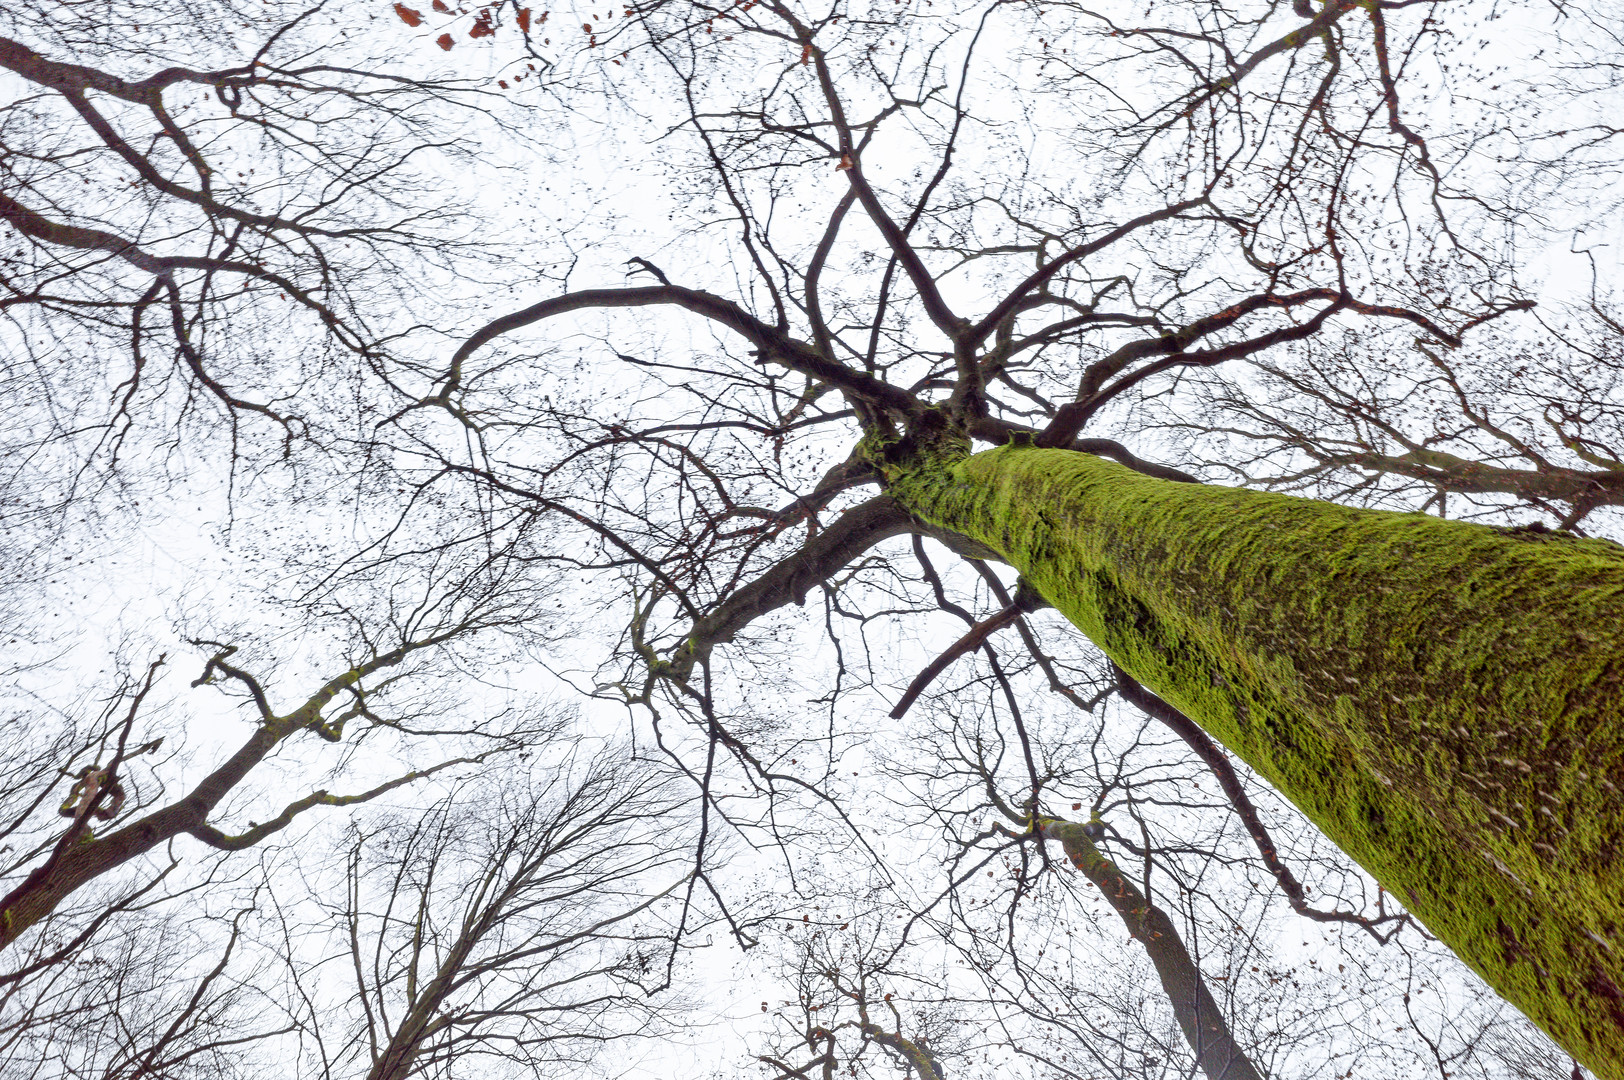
(1442, 699)
(1199, 1017)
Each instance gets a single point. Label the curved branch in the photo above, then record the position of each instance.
(222, 841)
(772, 345)
(1069, 418)
(1025, 601)
(972, 640)
(998, 432)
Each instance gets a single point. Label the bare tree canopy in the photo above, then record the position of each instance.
(995, 515)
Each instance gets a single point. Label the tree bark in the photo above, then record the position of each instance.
(1442, 699)
(1198, 1015)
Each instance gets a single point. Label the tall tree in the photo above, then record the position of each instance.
(1054, 230)
(519, 922)
(1438, 697)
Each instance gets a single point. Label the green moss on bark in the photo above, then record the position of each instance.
(1442, 699)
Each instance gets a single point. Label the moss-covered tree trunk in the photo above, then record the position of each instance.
(1442, 699)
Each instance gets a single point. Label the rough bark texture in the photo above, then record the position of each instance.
(1442, 699)
(1199, 1017)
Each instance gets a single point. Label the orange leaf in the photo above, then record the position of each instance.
(408, 16)
(524, 20)
(439, 6)
(444, 41)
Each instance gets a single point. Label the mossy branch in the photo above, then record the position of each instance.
(255, 833)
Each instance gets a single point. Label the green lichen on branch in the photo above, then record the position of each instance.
(1442, 699)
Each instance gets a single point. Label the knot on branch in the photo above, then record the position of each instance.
(97, 793)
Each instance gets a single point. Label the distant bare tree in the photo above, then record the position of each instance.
(519, 924)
